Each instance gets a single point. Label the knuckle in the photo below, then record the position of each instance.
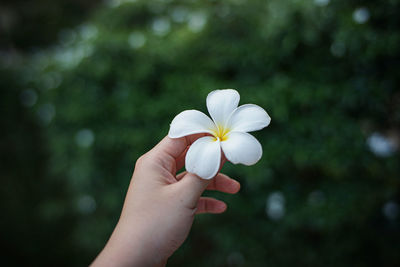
(141, 160)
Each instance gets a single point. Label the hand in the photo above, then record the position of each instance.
(160, 206)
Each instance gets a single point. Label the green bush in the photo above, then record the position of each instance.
(326, 190)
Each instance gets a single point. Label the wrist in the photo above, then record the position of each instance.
(128, 246)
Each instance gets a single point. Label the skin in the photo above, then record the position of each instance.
(160, 206)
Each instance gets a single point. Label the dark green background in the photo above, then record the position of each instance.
(87, 87)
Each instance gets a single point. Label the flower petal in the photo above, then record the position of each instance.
(190, 122)
(221, 103)
(248, 118)
(242, 148)
(204, 157)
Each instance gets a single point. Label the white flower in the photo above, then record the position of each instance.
(228, 129)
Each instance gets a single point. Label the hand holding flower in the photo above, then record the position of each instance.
(160, 206)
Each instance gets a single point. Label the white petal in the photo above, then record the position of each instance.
(242, 148)
(190, 122)
(221, 103)
(204, 157)
(248, 118)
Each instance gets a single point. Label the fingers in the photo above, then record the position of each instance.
(224, 183)
(193, 184)
(179, 176)
(180, 160)
(175, 146)
(191, 187)
(210, 205)
(221, 182)
(170, 153)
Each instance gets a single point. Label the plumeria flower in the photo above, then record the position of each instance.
(228, 130)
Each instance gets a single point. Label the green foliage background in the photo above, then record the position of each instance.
(77, 114)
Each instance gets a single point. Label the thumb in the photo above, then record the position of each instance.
(192, 186)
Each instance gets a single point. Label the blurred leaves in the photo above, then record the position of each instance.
(326, 72)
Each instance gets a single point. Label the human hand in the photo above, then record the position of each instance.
(160, 206)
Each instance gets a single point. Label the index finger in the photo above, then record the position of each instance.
(175, 146)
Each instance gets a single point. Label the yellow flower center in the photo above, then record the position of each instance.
(221, 133)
